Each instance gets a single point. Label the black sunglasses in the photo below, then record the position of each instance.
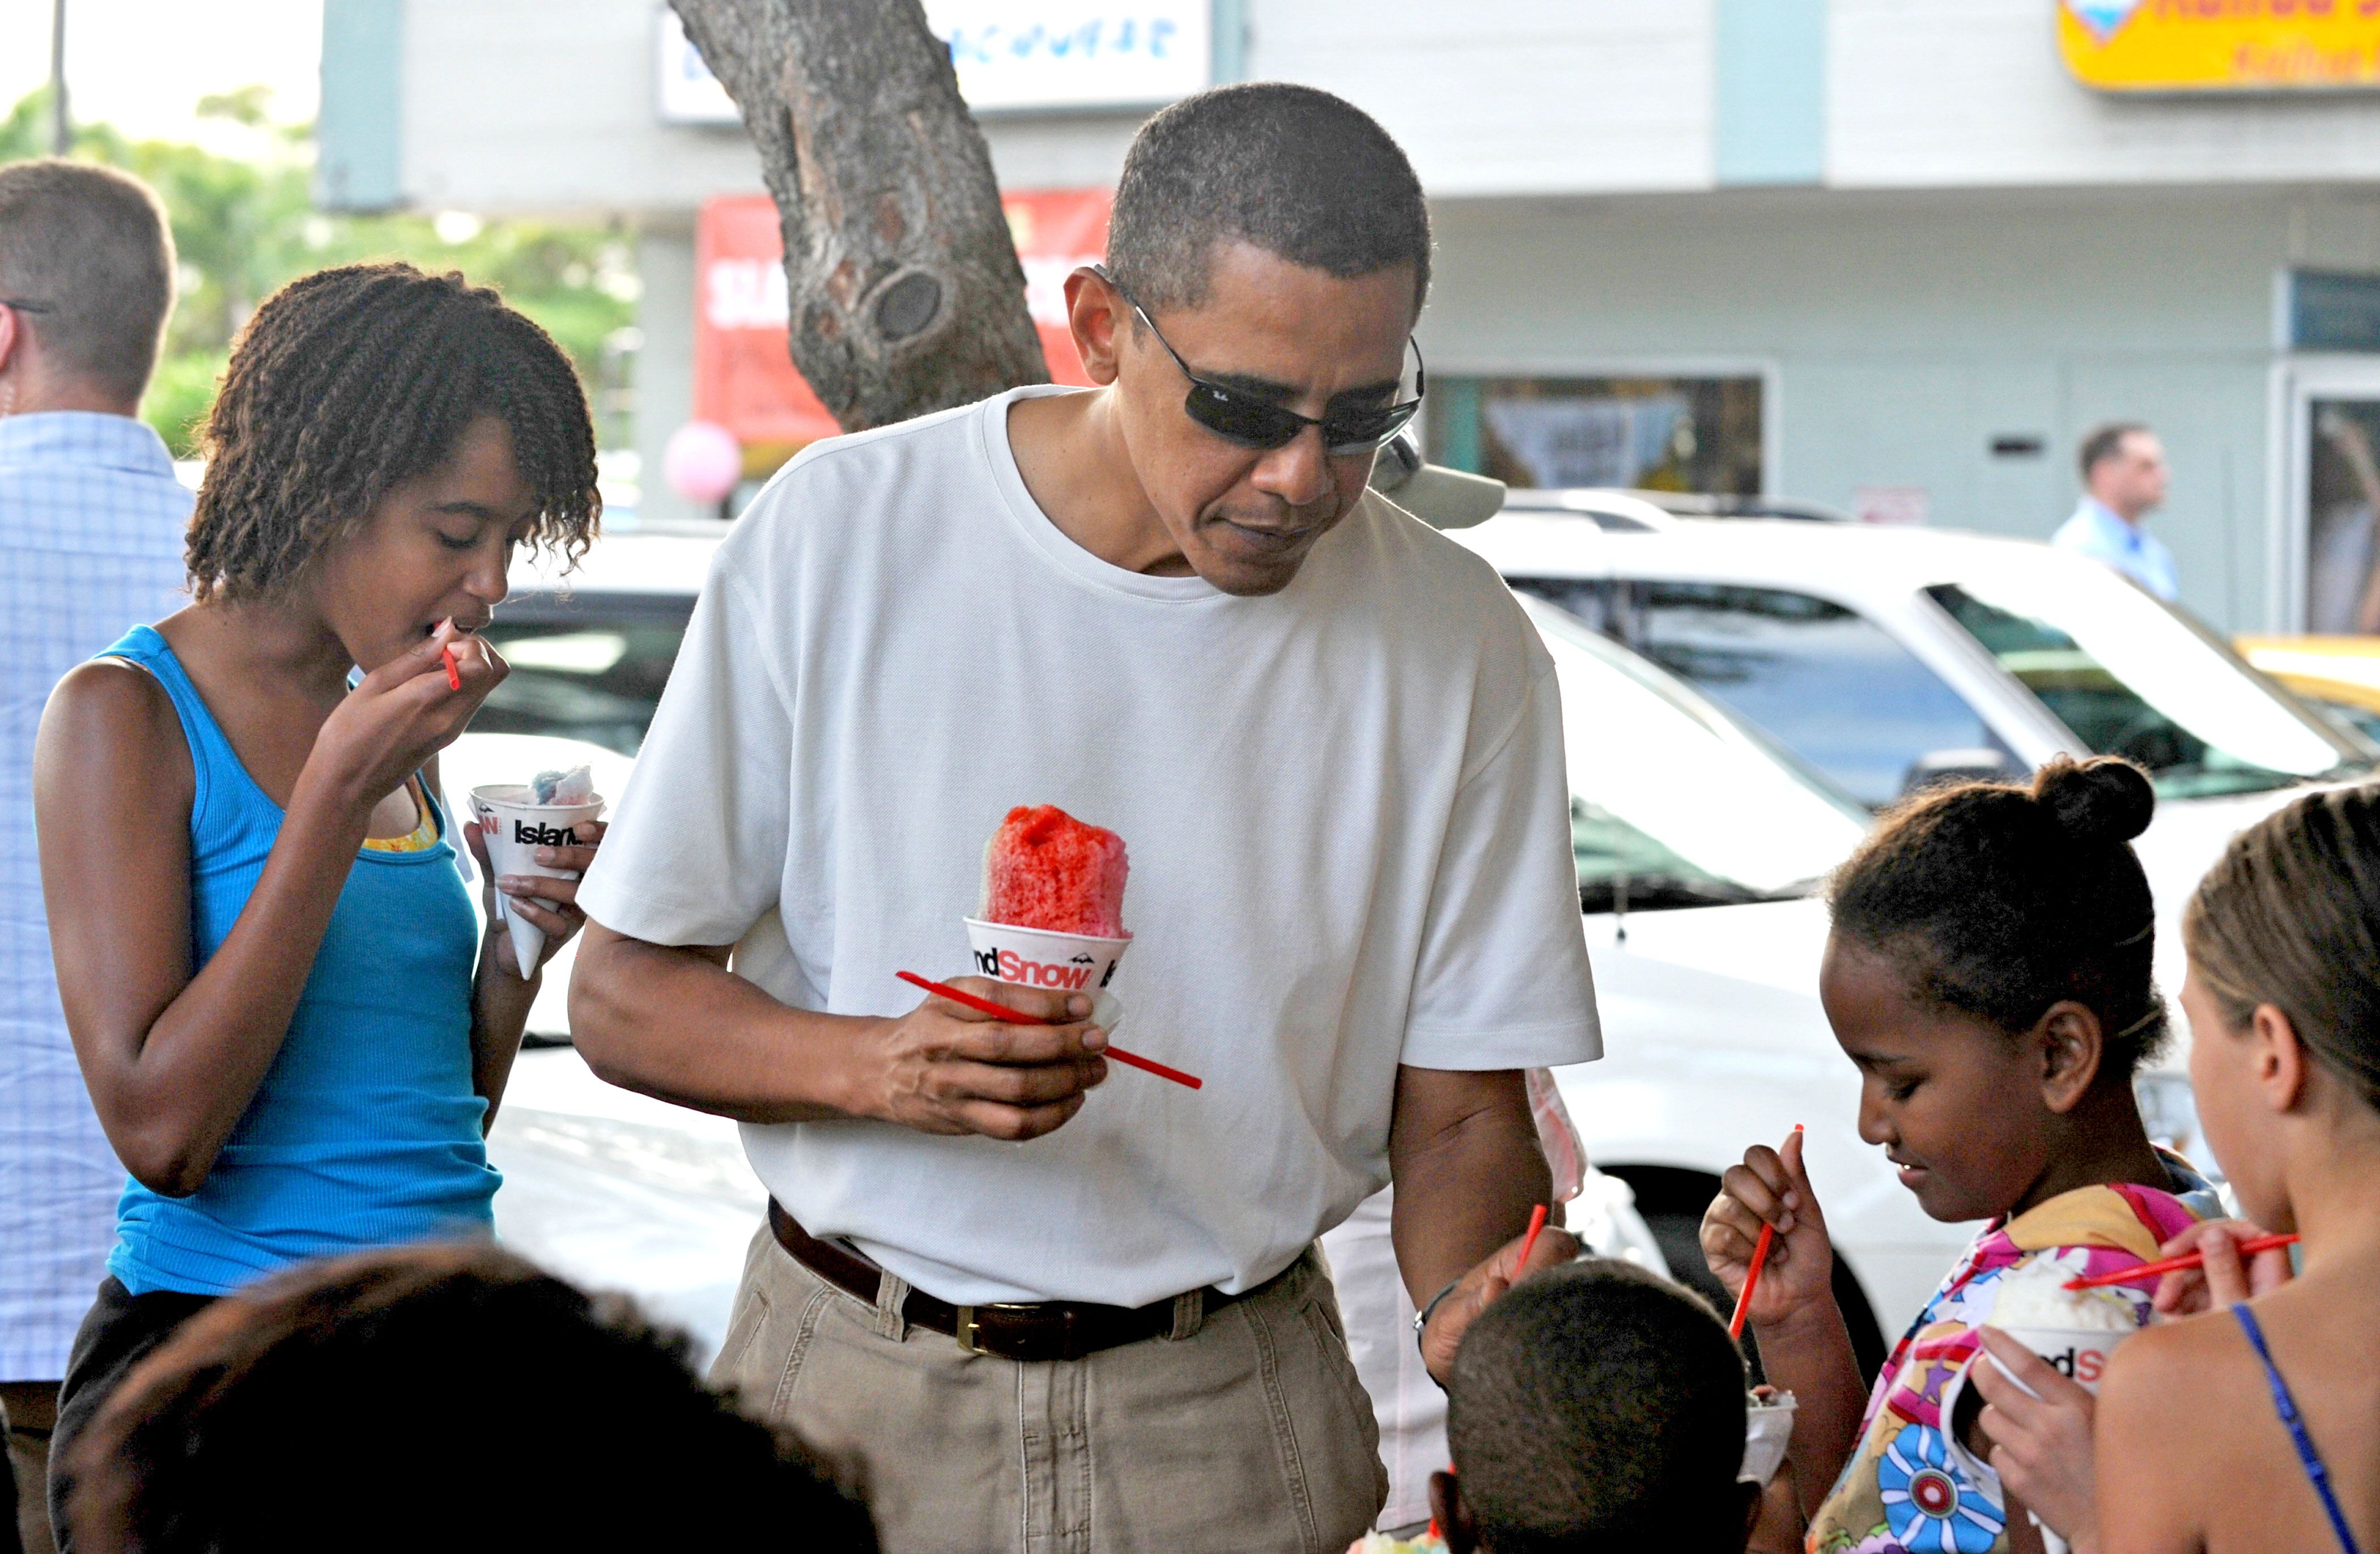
(1239, 416)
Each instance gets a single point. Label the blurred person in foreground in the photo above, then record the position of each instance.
(2123, 482)
(90, 522)
(1595, 1407)
(445, 1397)
(1045, 1311)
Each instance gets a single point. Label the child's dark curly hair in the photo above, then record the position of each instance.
(1999, 901)
(352, 380)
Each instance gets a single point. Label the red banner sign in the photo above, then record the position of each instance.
(742, 376)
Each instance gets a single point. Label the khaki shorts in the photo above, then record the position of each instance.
(1247, 1431)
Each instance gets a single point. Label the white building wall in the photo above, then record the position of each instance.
(1932, 94)
(1904, 331)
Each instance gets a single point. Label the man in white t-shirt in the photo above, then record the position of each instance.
(1043, 1304)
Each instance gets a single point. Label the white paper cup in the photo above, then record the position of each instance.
(2078, 1353)
(1768, 1426)
(1064, 963)
(514, 830)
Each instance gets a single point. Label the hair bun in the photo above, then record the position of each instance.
(2106, 800)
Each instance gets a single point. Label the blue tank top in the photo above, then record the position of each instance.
(366, 1131)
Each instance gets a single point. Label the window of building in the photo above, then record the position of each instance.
(1685, 435)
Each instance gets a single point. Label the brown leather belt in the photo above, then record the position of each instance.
(1045, 1330)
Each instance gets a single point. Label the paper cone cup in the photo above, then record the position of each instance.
(1072, 963)
(2079, 1354)
(514, 830)
(1768, 1426)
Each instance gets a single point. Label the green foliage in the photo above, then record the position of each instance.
(245, 224)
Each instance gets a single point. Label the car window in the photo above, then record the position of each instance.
(587, 667)
(1672, 800)
(2132, 677)
(1825, 682)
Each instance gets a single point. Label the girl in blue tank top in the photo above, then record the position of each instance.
(2257, 1428)
(290, 1026)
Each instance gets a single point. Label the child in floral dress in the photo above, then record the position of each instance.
(1989, 972)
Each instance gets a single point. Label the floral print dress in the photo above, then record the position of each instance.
(1903, 1492)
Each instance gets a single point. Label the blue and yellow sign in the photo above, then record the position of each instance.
(2220, 45)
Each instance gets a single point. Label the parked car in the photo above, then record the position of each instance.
(2338, 676)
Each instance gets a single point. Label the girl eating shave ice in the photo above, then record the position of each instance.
(293, 1032)
(1989, 974)
(2257, 1428)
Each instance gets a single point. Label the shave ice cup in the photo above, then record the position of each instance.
(1768, 1426)
(2072, 1331)
(515, 827)
(1057, 963)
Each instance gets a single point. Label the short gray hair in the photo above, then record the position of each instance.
(89, 247)
(1299, 173)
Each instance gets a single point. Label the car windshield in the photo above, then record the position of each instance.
(1673, 803)
(2131, 676)
(584, 666)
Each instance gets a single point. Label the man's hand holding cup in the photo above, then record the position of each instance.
(944, 1068)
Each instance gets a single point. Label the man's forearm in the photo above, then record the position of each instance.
(676, 1023)
(1468, 1169)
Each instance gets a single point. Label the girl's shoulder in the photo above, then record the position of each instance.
(2120, 1217)
(112, 712)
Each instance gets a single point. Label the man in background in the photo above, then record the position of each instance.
(2123, 482)
(92, 522)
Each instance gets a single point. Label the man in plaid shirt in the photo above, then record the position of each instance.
(90, 527)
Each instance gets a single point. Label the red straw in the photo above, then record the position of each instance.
(2248, 1248)
(1537, 1223)
(1018, 1017)
(1752, 1273)
(454, 675)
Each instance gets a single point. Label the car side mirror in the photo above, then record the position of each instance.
(1980, 764)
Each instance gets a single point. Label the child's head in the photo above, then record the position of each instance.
(1989, 972)
(2283, 992)
(1595, 1407)
(383, 439)
(448, 1397)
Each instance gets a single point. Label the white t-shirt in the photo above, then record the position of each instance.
(1345, 806)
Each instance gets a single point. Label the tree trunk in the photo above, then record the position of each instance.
(906, 290)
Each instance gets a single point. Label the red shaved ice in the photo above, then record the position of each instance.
(1045, 869)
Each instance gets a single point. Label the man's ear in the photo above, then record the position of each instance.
(1453, 1518)
(1097, 315)
(10, 337)
(2071, 1044)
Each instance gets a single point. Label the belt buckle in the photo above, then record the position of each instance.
(965, 1326)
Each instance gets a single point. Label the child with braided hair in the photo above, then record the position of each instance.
(1989, 974)
(292, 1031)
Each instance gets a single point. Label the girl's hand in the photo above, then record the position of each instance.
(549, 904)
(402, 713)
(2227, 1279)
(2041, 1445)
(1771, 1188)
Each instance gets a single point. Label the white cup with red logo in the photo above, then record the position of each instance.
(2078, 1353)
(515, 828)
(1057, 963)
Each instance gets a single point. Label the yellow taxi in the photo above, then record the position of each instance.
(2339, 676)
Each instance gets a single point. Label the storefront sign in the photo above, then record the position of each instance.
(2220, 45)
(2329, 310)
(1009, 54)
(744, 378)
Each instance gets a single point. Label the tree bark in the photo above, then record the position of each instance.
(906, 296)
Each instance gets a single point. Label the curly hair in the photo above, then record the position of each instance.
(1999, 901)
(348, 382)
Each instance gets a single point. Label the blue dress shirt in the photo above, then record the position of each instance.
(92, 525)
(2098, 533)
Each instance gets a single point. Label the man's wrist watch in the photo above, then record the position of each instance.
(1421, 1318)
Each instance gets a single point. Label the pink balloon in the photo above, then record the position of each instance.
(702, 462)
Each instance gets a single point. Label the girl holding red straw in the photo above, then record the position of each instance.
(292, 1030)
(1989, 974)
